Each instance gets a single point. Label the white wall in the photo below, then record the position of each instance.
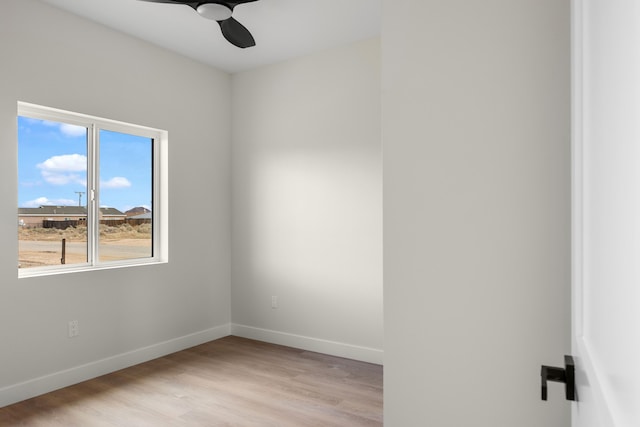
(307, 202)
(476, 210)
(55, 59)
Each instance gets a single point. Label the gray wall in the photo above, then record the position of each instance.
(56, 59)
(307, 202)
(476, 131)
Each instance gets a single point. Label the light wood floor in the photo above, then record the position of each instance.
(228, 382)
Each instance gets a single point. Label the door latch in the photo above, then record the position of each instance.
(560, 375)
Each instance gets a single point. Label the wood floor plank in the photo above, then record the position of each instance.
(228, 382)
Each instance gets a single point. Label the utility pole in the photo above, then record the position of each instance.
(79, 193)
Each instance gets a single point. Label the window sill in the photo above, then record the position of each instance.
(50, 271)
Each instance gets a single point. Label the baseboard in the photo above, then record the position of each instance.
(45, 384)
(333, 348)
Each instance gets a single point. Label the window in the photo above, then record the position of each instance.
(91, 192)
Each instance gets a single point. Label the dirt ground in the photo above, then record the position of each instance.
(39, 259)
(42, 247)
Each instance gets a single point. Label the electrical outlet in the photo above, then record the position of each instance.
(274, 302)
(74, 328)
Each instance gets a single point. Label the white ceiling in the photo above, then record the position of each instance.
(283, 29)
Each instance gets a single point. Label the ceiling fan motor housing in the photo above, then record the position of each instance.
(214, 11)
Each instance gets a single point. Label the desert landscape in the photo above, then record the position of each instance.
(43, 246)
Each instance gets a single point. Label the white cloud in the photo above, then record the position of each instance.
(66, 128)
(72, 130)
(62, 170)
(116, 182)
(40, 201)
(65, 163)
(61, 178)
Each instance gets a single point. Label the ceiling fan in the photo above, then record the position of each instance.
(220, 11)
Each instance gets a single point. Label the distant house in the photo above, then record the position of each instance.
(111, 214)
(143, 218)
(139, 210)
(36, 217)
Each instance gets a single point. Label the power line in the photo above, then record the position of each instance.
(79, 193)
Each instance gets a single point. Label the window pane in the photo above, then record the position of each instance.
(52, 188)
(126, 193)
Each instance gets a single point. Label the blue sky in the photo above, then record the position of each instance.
(52, 166)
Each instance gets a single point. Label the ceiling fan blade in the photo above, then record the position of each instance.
(234, 3)
(236, 33)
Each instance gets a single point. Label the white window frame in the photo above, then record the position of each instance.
(160, 206)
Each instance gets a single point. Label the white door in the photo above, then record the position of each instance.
(606, 193)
